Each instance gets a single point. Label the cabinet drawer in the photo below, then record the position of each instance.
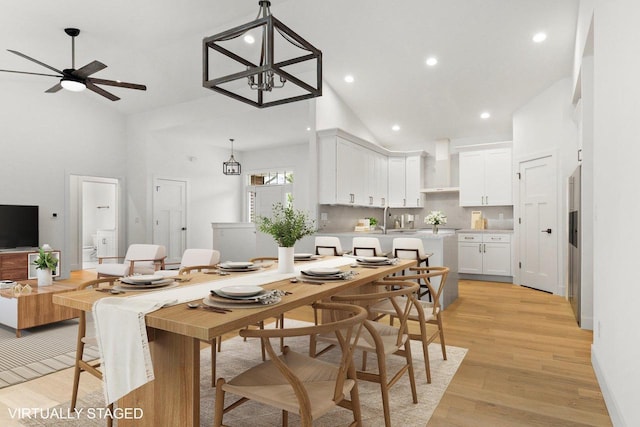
(13, 260)
(497, 238)
(13, 274)
(469, 237)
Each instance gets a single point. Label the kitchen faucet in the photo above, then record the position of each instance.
(384, 219)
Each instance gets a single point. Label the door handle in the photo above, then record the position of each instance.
(548, 231)
(184, 229)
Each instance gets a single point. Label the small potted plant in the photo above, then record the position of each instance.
(45, 264)
(286, 226)
(435, 218)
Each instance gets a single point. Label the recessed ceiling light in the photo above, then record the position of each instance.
(539, 37)
(431, 61)
(249, 39)
(485, 115)
(349, 78)
(308, 129)
(395, 128)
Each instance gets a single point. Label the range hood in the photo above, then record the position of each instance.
(439, 170)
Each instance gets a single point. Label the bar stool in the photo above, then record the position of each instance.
(328, 245)
(366, 246)
(412, 248)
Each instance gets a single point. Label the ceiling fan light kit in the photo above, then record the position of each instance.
(73, 85)
(265, 75)
(77, 80)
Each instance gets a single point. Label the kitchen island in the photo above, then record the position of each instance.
(443, 245)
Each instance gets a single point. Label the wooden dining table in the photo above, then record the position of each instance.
(175, 332)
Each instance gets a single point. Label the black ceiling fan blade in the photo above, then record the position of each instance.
(54, 89)
(26, 72)
(101, 91)
(35, 60)
(90, 68)
(117, 84)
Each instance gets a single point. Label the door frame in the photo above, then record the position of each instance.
(186, 205)
(72, 251)
(560, 214)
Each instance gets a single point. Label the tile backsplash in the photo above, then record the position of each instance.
(344, 218)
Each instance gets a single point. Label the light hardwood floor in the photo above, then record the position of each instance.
(528, 364)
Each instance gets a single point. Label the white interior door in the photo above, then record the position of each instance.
(170, 216)
(539, 228)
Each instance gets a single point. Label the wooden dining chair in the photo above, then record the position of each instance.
(216, 343)
(90, 366)
(423, 312)
(412, 248)
(295, 382)
(381, 339)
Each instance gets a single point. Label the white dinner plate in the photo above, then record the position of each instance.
(213, 303)
(161, 282)
(322, 271)
(236, 264)
(241, 291)
(145, 278)
(373, 259)
(302, 256)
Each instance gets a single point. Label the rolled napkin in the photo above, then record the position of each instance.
(123, 343)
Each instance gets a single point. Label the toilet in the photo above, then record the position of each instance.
(89, 253)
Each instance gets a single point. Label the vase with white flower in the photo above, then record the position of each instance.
(435, 218)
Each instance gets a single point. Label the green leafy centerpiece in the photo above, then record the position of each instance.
(45, 264)
(286, 225)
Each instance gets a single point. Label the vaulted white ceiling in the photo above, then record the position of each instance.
(487, 60)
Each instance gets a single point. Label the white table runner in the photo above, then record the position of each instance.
(122, 334)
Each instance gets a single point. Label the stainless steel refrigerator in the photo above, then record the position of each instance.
(574, 242)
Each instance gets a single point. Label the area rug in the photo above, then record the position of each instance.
(39, 351)
(238, 355)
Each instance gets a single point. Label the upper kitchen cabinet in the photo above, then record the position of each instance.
(405, 181)
(349, 171)
(486, 178)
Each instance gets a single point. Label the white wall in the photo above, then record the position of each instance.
(153, 153)
(47, 136)
(545, 125)
(333, 113)
(616, 347)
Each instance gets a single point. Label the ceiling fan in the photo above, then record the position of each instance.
(78, 80)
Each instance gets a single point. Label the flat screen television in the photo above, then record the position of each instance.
(18, 226)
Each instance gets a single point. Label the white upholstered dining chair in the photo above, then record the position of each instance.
(194, 259)
(139, 259)
(366, 246)
(328, 245)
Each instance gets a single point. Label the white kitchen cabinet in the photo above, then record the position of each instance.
(484, 253)
(351, 171)
(376, 176)
(405, 181)
(486, 178)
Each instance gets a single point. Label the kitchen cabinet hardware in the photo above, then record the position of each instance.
(548, 231)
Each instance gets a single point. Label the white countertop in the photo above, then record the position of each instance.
(484, 231)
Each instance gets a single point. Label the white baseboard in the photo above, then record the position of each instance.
(587, 323)
(609, 400)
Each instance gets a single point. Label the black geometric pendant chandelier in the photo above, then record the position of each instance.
(262, 63)
(231, 167)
